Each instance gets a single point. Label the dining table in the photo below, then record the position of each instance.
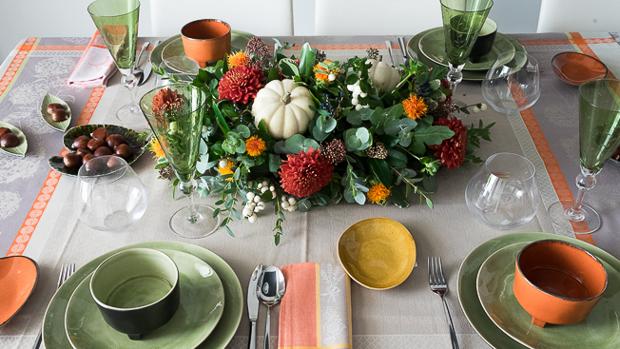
(40, 208)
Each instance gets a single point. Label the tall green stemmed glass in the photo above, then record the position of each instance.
(117, 22)
(462, 21)
(175, 113)
(599, 137)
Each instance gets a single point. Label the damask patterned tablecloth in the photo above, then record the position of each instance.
(38, 210)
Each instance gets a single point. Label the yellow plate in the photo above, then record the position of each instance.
(378, 253)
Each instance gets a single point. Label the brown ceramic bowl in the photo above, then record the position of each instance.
(558, 283)
(206, 40)
(576, 68)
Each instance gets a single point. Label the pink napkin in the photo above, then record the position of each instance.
(316, 309)
(95, 66)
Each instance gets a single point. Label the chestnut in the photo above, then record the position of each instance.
(114, 140)
(87, 157)
(4, 130)
(93, 144)
(83, 151)
(123, 151)
(52, 107)
(72, 160)
(80, 142)
(59, 115)
(100, 133)
(9, 140)
(102, 150)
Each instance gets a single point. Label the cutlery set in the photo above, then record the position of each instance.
(403, 50)
(268, 286)
(143, 71)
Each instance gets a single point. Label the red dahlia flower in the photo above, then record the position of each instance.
(451, 152)
(304, 174)
(240, 84)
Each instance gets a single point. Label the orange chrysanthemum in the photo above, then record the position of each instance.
(156, 149)
(414, 107)
(237, 59)
(255, 146)
(378, 194)
(225, 168)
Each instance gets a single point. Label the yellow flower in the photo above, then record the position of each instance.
(225, 168)
(378, 194)
(237, 59)
(156, 148)
(255, 146)
(414, 107)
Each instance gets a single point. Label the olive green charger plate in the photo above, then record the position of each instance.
(494, 286)
(54, 334)
(469, 75)
(170, 56)
(468, 272)
(200, 309)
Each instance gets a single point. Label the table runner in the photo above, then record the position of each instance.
(407, 317)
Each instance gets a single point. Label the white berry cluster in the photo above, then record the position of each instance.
(288, 203)
(357, 93)
(254, 203)
(478, 108)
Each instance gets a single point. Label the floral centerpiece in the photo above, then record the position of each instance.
(307, 131)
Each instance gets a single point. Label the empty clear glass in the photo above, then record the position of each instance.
(112, 194)
(503, 194)
(514, 86)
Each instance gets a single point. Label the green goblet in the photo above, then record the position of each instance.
(117, 22)
(599, 137)
(175, 113)
(462, 21)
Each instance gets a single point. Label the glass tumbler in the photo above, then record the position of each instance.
(503, 194)
(112, 194)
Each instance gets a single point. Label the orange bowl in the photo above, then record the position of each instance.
(18, 277)
(558, 283)
(206, 40)
(576, 68)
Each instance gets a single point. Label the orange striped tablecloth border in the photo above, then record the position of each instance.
(15, 66)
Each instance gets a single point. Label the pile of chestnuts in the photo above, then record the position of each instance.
(99, 143)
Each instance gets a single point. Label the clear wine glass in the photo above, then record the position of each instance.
(503, 194)
(112, 194)
(514, 86)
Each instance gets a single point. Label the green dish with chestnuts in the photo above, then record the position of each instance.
(88, 141)
(56, 112)
(12, 140)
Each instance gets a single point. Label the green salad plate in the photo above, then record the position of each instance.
(467, 279)
(170, 57)
(22, 147)
(599, 330)
(413, 47)
(55, 331)
(200, 309)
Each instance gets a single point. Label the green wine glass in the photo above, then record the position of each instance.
(175, 113)
(117, 22)
(462, 21)
(599, 137)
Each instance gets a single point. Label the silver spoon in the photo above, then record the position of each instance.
(270, 289)
(137, 71)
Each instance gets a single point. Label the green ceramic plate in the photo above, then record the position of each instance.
(21, 149)
(57, 125)
(137, 141)
(169, 55)
(599, 330)
(201, 307)
(54, 335)
(469, 75)
(432, 45)
(468, 297)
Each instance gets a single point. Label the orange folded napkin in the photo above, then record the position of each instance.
(95, 66)
(316, 309)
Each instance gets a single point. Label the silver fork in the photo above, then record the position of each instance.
(66, 270)
(438, 285)
(388, 46)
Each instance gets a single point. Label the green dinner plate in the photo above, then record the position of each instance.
(599, 330)
(468, 297)
(170, 56)
(22, 148)
(201, 307)
(469, 75)
(432, 45)
(54, 335)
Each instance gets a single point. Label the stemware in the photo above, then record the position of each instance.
(175, 113)
(462, 21)
(503, 194)
(512, 85)
(117, 21)
(112, 194)
(599, 137)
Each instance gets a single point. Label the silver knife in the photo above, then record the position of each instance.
(148, 67)
(388, 45)
(253, 304)
(403, 49)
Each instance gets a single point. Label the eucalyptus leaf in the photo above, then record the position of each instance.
(433, 134)
(274, 163)
(357, 139)
(397, 158)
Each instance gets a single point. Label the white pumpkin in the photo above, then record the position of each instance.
(286, 107)
(384, 77)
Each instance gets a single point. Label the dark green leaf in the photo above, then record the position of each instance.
(433, 134)
(382, 171)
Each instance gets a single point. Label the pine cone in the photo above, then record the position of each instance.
(334, 151)
(377, 151)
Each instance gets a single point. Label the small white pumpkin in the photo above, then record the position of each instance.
(286, 107)
(384, 77)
